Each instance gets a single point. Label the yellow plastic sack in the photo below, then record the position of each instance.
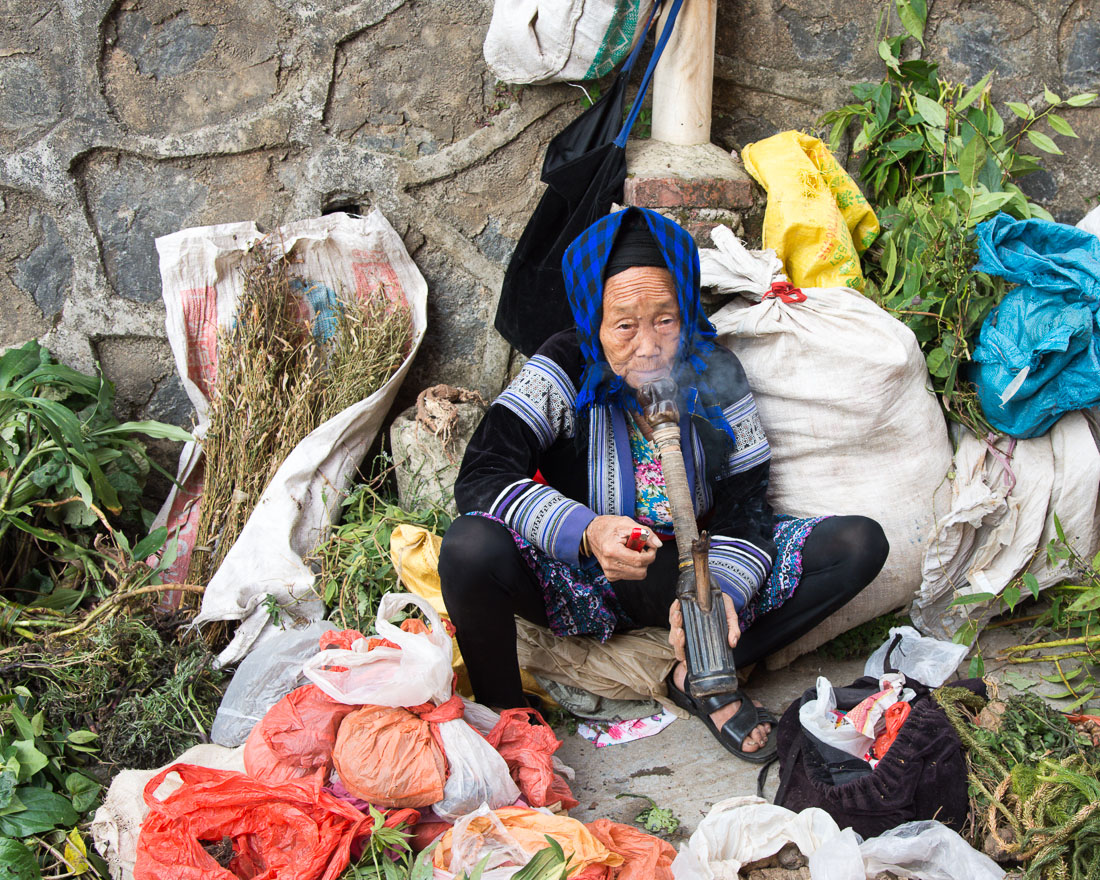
(414, 552)
(817, 220)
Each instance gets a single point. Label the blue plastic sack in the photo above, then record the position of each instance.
(1038, 355)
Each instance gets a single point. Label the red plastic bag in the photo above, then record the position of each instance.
(290, 831)
(645, 857)
(343, 638)
(296, 736)
(388, 757)
(528, 749)
(895, 717)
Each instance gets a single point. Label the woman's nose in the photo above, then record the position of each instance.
(648, 343)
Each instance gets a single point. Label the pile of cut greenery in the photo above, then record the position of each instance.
(1034, 784)
(938, 158)
(276, 382)
(354, 569)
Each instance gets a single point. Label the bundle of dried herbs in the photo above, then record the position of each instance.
(277, 380)
(1034, 784)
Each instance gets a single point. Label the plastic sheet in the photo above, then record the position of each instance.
(262, 679)
(819, 718)
(926, 850)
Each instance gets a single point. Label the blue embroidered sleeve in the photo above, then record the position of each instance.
(751, 445)
(544, 398)
(545, 517)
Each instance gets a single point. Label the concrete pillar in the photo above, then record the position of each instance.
(684, 78)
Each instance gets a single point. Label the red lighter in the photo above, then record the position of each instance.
(637, 540)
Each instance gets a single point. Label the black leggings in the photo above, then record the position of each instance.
(486, 583)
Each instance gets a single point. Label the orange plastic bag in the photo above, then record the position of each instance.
(388, 756)
(463, 846)
(895, 717)
(290, 831)
(528, 749)
(645, 857)
(296, 736)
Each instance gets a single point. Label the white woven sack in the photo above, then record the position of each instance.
(1001, 511)
(291, 518)
(842, 389)
(541, 41)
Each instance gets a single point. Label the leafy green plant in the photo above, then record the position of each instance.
(387, 855)
(938, 159)
(43, 794)
(354, 567)
(67, 466)
(861, 640)
(654, 819)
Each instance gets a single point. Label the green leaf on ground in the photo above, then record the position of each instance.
(42, 811)
(1019, 682)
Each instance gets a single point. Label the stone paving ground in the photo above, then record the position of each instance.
(684, 769)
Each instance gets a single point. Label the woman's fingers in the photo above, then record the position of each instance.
(607, 537)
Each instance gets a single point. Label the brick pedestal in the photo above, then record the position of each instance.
(698, 186)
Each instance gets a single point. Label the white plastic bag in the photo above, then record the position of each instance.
(819, 718)
(200, 287)
(746, 829)
(926, 850)
(541, 41)
(476, 773)
(842, 389)
(263, 678)
(417, 671)
(927, 660)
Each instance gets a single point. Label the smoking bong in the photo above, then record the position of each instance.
(710, 664)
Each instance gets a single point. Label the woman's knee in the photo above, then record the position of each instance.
(473, 548)
(855, 544)
(865, 546)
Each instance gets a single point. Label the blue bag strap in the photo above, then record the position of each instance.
(636, 107)
(637, 50)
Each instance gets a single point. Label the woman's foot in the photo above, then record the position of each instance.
(754, 741)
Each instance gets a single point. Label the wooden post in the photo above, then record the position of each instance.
(684, 78)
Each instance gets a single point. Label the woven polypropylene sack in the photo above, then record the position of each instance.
(843, 394)
(540, 41)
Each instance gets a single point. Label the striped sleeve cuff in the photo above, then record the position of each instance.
(739, 568)
(751, 447)
(545, 517)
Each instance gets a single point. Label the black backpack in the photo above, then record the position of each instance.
(922, 776)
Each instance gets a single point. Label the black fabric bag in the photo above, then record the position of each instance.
(584, 170)
(922, 776)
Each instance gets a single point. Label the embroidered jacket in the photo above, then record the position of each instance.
(588, 466)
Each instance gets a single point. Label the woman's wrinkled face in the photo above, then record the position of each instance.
(640, 328)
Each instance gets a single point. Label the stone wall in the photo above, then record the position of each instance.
(121, 121)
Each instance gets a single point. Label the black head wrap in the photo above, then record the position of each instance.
(634, 246)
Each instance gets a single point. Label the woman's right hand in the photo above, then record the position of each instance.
(607, 536)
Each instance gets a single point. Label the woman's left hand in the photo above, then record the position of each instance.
(678, 639)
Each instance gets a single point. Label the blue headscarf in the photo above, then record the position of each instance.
(583, 268)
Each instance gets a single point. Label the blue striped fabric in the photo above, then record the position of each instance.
(544, 398)
(739, 568)
(751, 445)
(544, 517)
(583, 266)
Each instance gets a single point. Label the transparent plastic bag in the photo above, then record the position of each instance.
(926, 850)
(927, 660)
(477, 774)
(263, 678)
(818, 718)
(417, 671)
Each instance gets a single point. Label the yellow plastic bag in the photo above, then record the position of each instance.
(817, 220)
(414, 552)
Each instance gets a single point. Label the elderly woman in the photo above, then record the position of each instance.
(560, 472)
